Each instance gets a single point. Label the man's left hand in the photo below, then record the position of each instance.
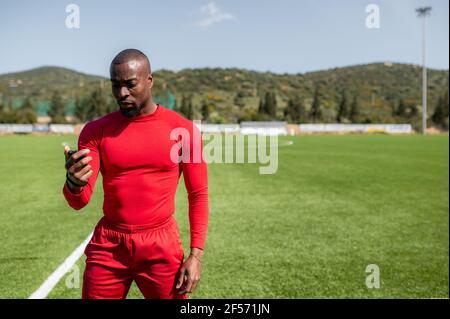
(189, 274)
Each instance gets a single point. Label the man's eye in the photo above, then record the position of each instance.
(131, 85)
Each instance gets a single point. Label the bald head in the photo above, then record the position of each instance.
(132, 56)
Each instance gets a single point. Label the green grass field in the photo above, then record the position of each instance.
(336, 205)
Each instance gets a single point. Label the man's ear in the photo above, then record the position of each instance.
(150, 79)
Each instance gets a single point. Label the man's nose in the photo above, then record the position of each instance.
(123, 92)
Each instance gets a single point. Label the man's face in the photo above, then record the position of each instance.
(131, 85)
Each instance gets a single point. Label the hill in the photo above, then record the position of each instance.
(232, 95)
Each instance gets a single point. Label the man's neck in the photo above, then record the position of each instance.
(149, 109)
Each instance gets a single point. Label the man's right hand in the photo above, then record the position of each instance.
(78, 169)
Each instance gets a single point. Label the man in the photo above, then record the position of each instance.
(138, 237)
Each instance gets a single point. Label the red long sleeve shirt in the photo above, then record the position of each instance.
(139, 176)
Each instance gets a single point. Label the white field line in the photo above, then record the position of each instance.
(56, 276)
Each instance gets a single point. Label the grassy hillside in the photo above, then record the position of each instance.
(234, 94)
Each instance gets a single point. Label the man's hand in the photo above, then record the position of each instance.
(78, 169)
(189, 274)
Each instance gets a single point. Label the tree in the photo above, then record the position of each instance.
(205, 111)
(316, 112)
(8, 114)
(3, 115)
(290, 112)
(239, 99)
(295, 110)
(177, 106)
(261, 107)
(271, 104)
(441, 112)
(186, 106)
(401, 109)
(27, 104)
(301, 111)
(57, 111)
(26, 114)
(80, 109)
(267, 109)
(354, 110)
(412, 111)
(406, 111)
(111, 105)
(96, 105)
(342, 109)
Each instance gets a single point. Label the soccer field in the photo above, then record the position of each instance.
(335, 205)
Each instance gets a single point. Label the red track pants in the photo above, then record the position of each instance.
(118, 254)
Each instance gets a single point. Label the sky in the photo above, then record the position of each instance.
(284, 36)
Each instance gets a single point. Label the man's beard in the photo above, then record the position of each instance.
(131, 111)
